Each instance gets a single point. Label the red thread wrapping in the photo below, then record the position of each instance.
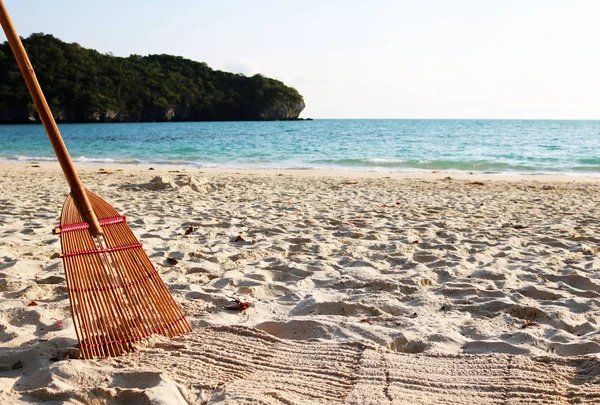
(111, 221)
(112, 342)
(114, 287)
(84, 225)
(98, 251)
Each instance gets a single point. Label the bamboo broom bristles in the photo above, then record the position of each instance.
(117, 296)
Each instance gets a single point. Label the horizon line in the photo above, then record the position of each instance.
(456, 119)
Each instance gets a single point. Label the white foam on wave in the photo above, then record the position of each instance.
(384, 160)
(290, 165)
(20, 158)
(83, 159)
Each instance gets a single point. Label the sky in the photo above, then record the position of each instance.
(532, 59)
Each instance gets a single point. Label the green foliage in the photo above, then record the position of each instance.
(82, 85)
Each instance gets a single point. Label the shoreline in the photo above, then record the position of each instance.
(348, 173)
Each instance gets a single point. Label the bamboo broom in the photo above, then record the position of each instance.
(117, 297)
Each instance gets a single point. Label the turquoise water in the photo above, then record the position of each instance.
(503, 146)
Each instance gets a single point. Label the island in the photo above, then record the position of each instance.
(83, 85)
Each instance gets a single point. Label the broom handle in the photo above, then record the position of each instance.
(77, 190)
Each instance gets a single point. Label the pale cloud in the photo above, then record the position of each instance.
(244, 66)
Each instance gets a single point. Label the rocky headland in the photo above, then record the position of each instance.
(83, 85)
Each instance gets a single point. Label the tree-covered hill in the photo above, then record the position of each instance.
(83, 85)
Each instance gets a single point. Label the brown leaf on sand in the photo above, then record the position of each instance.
(528, 324)
(172, 261)
(32, 304)
(239, 239)
(238, 305)
(189, 230)
(349, 182)
(475, 183)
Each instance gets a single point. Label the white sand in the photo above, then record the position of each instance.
(371, 288)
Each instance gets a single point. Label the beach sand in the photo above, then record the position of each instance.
(365, 288)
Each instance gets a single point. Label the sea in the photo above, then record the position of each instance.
(472, 146)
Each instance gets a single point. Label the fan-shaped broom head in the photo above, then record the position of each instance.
(117, 296)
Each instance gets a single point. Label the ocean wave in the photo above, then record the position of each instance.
(21, 158)
(452, 165)
(80, 159)
(422, 164)
(366, 164)
(85, 159)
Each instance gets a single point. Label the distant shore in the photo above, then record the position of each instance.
(36, 121)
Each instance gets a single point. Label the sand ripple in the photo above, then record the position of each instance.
(392, 277)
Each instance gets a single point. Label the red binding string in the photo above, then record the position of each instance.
(114, 287)
(97, 251)
(134, 338)
(84, 225)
